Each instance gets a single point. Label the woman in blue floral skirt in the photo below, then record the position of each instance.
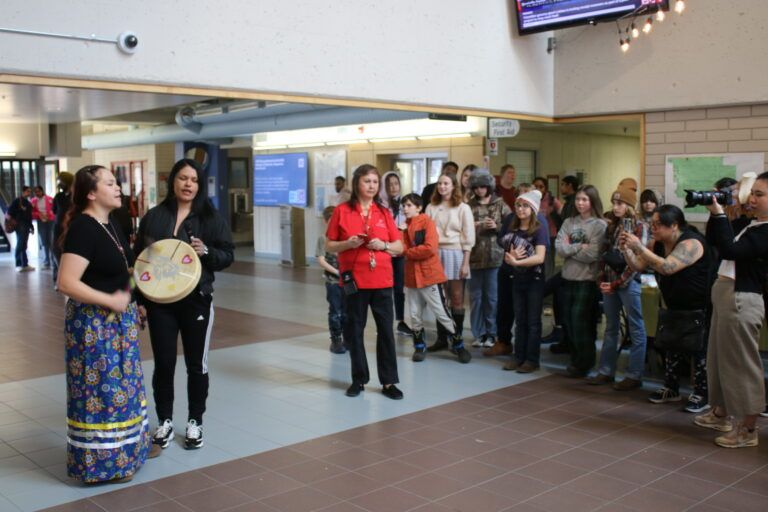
(108, 431)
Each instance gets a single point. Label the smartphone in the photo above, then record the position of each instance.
(628, 225)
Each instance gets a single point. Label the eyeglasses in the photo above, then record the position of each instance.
(522, 205)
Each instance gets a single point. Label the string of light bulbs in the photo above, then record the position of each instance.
(635, 26)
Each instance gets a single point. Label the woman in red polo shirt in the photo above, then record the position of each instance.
(364, 235)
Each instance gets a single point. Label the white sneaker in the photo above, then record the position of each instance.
(479, 342)
(163, 434)
(194, 438)
(489, 342)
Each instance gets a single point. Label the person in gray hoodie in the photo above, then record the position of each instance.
(579, 243)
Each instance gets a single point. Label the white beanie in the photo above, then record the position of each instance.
(533, 198)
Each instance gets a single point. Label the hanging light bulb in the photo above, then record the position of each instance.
(679, 6)
(635, 31)
(660, 15)
(624, 45)
(648, 26)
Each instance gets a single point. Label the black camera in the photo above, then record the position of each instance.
(705, 197)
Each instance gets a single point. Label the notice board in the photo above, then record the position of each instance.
(280, 180)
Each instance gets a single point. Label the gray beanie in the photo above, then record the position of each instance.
(482, 178)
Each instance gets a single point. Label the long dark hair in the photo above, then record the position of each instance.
(594, 201)
(84, 183)
(201, 205)
(361, 171)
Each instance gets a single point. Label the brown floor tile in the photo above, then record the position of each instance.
(77, 506)
(393, 446)
(216, 498)
(617, 445)
(430, 416)
(756, 483)
(507, 458)
(233, 470)
(568, 435)
(431, 507)
(463, 426)
(163, 506)
(601, 486)
(713, 472)
(396, 426)
(432, 486)
(658, 501)
(686, 486)
(471, 471)
(128, 499)
(530, 426)
(184, 483)
(304, 499)
(342, 506)
(361, 435)
(487, 399)
(265, 484)
(585, 459)
(499, 436)
(597, 426)
(738, 501)
(475, 500)
(515, 487)
(252, 506)
(539, 447)
(430, 459)
(428, 436)
(348, 485)
(355, 458)
(750, 459)
(561, 499)
(389, 499)
(558, 416)
(494, 416)
(281, 457)
(690, 447)
(551, 471)
(661, 459)
(458, 408)
(390, 471)
(638, 474)
(312, 471)
(467, 446)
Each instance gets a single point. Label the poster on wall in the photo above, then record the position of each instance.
(326, 165)
(700, 172)
(280, 180)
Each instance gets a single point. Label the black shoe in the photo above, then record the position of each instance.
(574, 372)
(560, 348)
(457, 347)
(554, 337)
(194, 437)
(337, 345)
(392, 392)
(402, 328)
(440, 344)
(354, 389)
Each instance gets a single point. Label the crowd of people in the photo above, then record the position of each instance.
(474, 230)
(381, 248)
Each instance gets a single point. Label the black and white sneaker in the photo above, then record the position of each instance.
(764, 414)
(403, 329)
(664, 395)
(194, 438)
(696, 403)
(163, 434)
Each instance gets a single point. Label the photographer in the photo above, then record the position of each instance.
(735, 370)
(683, 266)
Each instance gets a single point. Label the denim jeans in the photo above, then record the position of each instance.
(334, 294)
(45, 239)
(22, 236)
(528, 299)
(629, 298)
(483, 297)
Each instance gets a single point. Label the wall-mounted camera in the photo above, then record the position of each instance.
(128, 42)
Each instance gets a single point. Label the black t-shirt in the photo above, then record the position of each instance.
(106, 269)
(689, 288)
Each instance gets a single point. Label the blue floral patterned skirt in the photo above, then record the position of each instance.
(108, 430)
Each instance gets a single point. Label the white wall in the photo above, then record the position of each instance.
(27, 140)
(714, 54)
(438, 52)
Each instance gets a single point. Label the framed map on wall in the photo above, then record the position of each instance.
(700, 172)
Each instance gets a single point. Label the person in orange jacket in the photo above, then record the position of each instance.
(423, 273)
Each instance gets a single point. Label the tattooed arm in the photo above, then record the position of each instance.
(685, 254)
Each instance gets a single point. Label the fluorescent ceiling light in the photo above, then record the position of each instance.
(261, 148)
(446, 136)
(8, 153)
(393, 139)
(346, 142)
(307, 145)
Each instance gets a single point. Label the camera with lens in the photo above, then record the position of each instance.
(706, 197)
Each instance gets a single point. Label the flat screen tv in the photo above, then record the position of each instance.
(542, 15)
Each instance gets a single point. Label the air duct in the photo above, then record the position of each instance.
(197, 126)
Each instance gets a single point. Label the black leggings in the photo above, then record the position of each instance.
(192, 316)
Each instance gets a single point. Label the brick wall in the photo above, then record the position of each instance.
(742, 129)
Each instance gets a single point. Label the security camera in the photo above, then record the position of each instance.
(127, 42)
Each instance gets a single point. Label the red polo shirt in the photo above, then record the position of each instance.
(349, 221)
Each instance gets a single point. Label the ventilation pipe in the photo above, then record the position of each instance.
(196, 126)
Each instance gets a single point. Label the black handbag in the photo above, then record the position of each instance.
(681, 331)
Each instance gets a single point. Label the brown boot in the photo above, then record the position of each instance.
(498, 349)
(599, 380)
(627, 384)
(527, 367)
(511, 365)
(154, 451)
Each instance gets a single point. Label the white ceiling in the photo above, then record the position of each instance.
(33, 104)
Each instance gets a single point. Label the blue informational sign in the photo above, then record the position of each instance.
(542, 15)
(280, 180)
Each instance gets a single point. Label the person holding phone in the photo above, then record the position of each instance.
(185, 214)
(365, 236)
(620, 286)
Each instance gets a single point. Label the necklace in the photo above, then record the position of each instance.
(117, 244)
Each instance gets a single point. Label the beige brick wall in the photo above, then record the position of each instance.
(742, 129)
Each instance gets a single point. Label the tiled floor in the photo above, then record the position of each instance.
(280, 435)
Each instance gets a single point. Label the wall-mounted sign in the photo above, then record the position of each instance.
(280, 180)
(493, 147)
(500, 128)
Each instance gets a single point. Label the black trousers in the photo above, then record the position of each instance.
(398, 273)
(380, 302)
(505, 307)
(192, 317)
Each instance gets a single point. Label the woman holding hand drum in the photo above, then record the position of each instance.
(185, 214)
